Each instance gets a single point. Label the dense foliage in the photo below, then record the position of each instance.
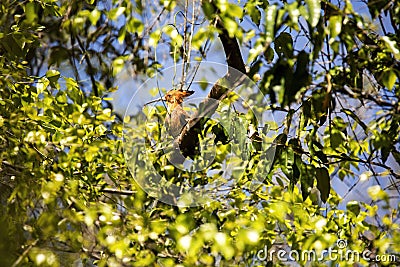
(67, 195)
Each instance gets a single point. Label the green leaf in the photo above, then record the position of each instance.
(314, 11)
(234, 11)
(339, 124)
(307, 180)
(323, 183)
(356, 118)
(53, 76)
(72, 85)
(42, 84)
(134, 25)
(257, 49)
(58, 55)
(392, 46)
(396, 155)
(118, 64)
(121, 35)
(231, 26)
(293, 162)
(336, 139)
(318, 37)
(389, 78)
(254, 13)
(301, 77)
(335, 27)
(208, 9)
(176, 38)
(94, 16)
(154, 38)
(280, 140)
(169, 4)
(114, 13)
(284, 44)
(61, 98)
(385, 151)
(270, 23)
(12, 46)
(269, 54)
(376, 193)
(354, 207)
(30, 12)
(293, 11)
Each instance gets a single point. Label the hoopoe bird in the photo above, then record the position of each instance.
(177, 117)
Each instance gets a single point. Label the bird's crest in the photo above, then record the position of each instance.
(173, 96)
(177, 96)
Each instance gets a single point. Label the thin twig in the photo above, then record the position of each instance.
(118, 191)
(90, 66)
(22, 256)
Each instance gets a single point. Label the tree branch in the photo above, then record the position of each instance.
(188, 140)
(368, 162)
(376, 100)
(117, 191)
(90, 66)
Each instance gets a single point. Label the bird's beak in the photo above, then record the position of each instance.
(153, 101)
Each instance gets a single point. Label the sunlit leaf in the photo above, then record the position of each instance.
(270, 15)
(389, 78)
(30, 11)
(114, 13)
(335, 27)
(314, 11)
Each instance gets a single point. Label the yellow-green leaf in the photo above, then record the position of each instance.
(270, 15)
(389, 78)
(114, 13)
(335, 26)
(392, 46)
(314, 11)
